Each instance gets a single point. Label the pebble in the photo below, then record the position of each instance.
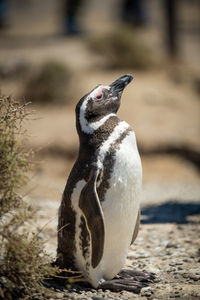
(177, 263)
(188, 240)
(180, 272)
(146, 291)
(171, 245)
(59, 295)
(164, 258)
(194, 277)
(168, 270)
(142, 254)
(175, 254)
(175, 294)
(182, 250)
(186, 260)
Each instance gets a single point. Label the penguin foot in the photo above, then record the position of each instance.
(137, 275)
(129, 280)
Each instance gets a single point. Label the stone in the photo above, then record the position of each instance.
(194, 277)
(59, 295)
(146, 291)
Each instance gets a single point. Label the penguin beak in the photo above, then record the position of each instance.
(117, 87)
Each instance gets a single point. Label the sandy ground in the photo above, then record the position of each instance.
(162, 106)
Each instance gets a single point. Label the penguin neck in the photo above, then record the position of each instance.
(89, 143)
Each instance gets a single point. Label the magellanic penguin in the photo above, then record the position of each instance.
(99, 212)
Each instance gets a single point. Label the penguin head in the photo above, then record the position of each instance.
(100, 102)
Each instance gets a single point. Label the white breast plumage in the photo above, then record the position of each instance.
(120, 207)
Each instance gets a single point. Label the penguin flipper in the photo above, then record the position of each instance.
(90, 205)
(136, 229)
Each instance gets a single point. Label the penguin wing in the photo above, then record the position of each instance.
(136, 229)
(90, 205)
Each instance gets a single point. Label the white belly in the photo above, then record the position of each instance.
(121, 206)
(120, 209)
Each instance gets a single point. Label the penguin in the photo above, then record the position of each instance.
(99, 214)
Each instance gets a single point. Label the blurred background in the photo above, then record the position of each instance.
(53, 52)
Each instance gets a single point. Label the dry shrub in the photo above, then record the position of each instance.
(23, 263)
(122, 49)
(50, 84)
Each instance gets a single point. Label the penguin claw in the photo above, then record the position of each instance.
(117, 285)
(137, 275)
(129, 280)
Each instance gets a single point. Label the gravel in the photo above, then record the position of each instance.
(171, 251)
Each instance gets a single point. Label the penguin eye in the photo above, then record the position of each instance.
(99, 96)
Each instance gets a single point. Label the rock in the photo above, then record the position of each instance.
(142, 254)
(194, 277)
(187, 260)
(146, 291)
(175, 294)
(171, 245)
(177, 263)
(181, 272)
(59, 295)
